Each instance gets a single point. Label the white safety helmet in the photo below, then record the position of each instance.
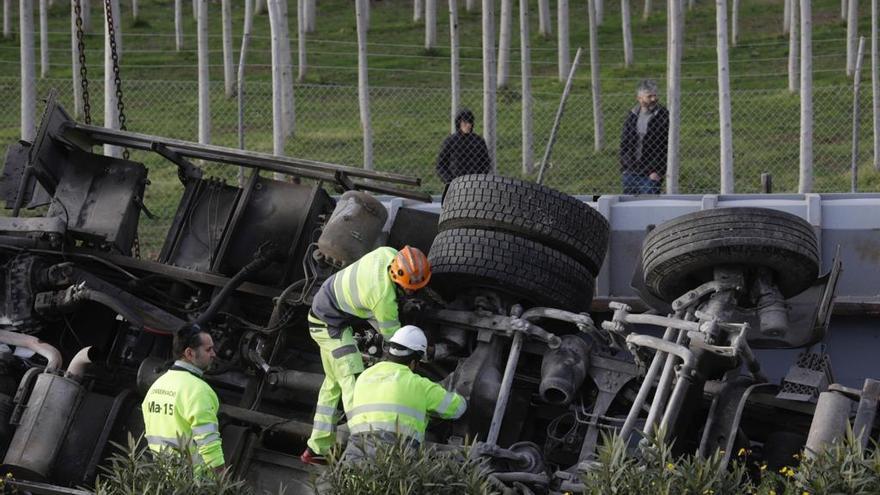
(410, 337)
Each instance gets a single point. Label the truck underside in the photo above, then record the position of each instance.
(554, 322)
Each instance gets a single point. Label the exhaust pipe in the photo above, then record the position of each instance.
(563, 370)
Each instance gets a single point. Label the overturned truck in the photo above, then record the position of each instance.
(706, 317)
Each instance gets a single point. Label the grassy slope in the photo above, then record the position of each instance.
(765, 122)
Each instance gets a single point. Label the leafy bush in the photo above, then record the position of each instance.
(842, 468)
(134, 470)
(400, 469)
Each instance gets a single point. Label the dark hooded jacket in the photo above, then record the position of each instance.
(463, 154)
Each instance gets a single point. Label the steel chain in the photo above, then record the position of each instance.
(83, 72)
(111, 33)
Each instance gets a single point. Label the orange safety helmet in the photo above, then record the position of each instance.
(410, 269)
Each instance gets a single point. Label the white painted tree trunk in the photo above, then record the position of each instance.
(111, 112)
(228, 64)
(627, 33)
(287, 72)
(454, 68)
(135, 12)
(430, 24)
(844, 8)
(44, 38)
(75, 65)
(724, 121)
(545, 24)
(673, 99)
(506, 23)
(805, 182)
(7, 19)
(28, 71)
(417, 10)
(647, 12)
(525, 61)
(311, 10)
(178, 24)
(278, 127)
(489, 112)
(734, 23)
(875, 82)
(595, 81)
(204, 81)
(363, 83)
(793, 65)
(562, 36)
(852, 28)
(786, 16)
(302, 21)
(599, 8)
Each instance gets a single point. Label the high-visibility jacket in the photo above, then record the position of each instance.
(181, 404)
(389, 397)
(361, 291)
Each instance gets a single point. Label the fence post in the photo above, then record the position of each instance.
(526, 90)
(28, 72)
(857, 74)
(673, 75)
(875, 83)
(596, 90)
(455, 78)
(558, 119)
(805, 180)
(489, 88)
(724, 119)
(245, 41)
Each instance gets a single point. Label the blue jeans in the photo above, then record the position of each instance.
(639, 184)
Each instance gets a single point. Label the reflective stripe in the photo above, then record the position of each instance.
(322, 426)
(325, 410)
(447, 399)
(206, 428)
(386, 426)
(462, 407)
(162, 441)
(353, 291)
(344, 351)
(391, 408)
(339, 296)
(211, 438)
(385, 325)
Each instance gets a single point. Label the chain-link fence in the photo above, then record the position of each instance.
(409, 125)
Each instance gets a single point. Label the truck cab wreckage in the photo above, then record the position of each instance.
(710, 318)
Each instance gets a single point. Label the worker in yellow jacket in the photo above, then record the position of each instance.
(367, 290)
(181, 405)
(390, 400)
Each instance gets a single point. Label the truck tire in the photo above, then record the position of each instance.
(530, 210)
(679, 255)
(531, 272)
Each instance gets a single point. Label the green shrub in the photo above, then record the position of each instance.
(843, 468)
(398, 469)
(133, 470)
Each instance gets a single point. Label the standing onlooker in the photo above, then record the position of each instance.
(643, 143)
(463, 152)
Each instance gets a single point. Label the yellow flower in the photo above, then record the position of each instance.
(787, 471)
(742, 452)
(764, 468)
(670, 466)
(772, 492)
